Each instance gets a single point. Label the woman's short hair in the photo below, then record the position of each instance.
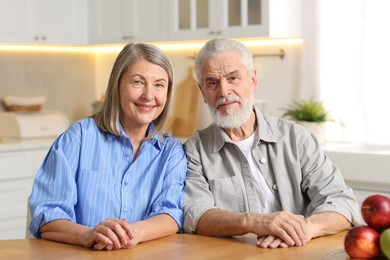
(107, 119)
(216, 46)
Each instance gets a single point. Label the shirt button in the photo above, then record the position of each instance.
(125, 183)
(263, 160)
(274, 187)
(125, 210)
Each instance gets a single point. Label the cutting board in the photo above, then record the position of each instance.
(184, 120)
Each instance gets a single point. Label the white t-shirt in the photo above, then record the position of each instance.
(269, 202)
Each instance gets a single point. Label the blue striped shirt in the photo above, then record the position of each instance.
(89, 176)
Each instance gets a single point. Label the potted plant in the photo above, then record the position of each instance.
(311, 114)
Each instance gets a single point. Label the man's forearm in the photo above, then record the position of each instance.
(220, 223)
(327, 223)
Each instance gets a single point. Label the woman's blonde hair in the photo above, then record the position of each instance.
(107, 119)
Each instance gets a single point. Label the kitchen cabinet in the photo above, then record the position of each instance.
(122, 21)
(43, 21)
(18, 166)
(205, 19)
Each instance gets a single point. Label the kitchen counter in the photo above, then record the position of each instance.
(17, 145)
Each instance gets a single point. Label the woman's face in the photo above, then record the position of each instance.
(143, 90)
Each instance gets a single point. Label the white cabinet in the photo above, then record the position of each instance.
(18, 167)
(205, 19)
(43, 21)
(118, 21)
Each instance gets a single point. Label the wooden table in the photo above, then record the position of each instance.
(181, 246)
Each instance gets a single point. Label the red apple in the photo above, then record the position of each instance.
(376, 211)
(362, 242)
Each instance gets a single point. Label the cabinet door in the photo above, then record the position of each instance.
(59, 21)
(16, 165)
(16, 21)
(194, 19)
(122, 21)
(13, 204)
(43, 21)
(244, 18)
(205, 19)
(107, 21)
(151, 20)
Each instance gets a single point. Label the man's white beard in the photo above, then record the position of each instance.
(232, 120)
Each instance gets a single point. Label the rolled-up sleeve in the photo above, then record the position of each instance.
(54, 191)
(171, 199)
(197, 195)
(324, 184)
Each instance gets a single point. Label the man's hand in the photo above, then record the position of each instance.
(280, 229)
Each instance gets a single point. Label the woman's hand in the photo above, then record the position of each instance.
(270, 241)
(112, 234)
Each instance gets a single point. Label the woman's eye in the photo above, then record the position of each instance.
(138, 83)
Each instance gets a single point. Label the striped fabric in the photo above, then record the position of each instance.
(88, 176)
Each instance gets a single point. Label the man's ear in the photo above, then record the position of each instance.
(254, 79)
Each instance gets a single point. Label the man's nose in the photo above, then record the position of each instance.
(225, 88)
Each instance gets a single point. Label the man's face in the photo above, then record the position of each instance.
(228, 89)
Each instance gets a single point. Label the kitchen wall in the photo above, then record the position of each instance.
(71, 81)
(65, 78)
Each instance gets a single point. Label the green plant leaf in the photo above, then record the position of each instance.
(307, 110)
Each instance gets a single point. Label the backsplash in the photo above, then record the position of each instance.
(67, 79)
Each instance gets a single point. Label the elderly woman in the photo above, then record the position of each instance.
(115, 179)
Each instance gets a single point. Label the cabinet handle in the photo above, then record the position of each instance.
(127, 37)
(215, 32)
(36, 38)
(43, 38)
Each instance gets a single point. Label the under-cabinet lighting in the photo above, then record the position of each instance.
(45, 48)
(166, 46)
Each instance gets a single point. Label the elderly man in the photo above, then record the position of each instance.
(250, 173)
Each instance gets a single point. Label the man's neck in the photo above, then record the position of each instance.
(243, 132)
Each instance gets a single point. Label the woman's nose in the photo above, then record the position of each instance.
(147, 93)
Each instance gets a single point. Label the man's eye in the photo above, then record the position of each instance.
(212, 84)
(233, 78)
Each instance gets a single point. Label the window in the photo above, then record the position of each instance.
(352, 68)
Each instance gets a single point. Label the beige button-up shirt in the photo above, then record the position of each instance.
(301, 176)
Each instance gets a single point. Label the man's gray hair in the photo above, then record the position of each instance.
(216, 46)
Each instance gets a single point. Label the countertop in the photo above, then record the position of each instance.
(29, 144)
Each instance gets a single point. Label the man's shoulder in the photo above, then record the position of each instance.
(282, 125)
(201, 137)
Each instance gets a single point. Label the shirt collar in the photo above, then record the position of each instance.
(156, 141)
(263, 133)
